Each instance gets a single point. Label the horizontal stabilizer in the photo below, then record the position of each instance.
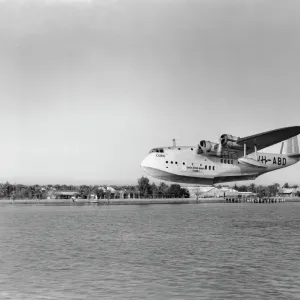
(296, 156)
(250, 162)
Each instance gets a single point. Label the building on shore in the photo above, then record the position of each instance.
(115, 193)
(288, 192)
(66, 194)
(214, 192)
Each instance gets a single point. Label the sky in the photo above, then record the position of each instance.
(88, 87)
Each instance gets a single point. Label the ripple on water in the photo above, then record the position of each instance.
(213, 251)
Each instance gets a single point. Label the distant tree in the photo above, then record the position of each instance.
(272, 190)
(108, 194)
(57, 187)
(84, 191)
(175, 191)
(251, 188)
(277, 185)
(286, 185)
(163, 189)
(31, 192)
(144, 186)
(100, 193)
(6, 190)
(154, 189)
(242, 188)
(261, 191)
(185, 193)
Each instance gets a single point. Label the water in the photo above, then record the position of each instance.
(213, 251)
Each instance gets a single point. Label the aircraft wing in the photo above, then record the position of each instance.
(268, 138)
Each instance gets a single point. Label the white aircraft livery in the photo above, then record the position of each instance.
(232, 159)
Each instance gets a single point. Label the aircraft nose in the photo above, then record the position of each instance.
(144, 163)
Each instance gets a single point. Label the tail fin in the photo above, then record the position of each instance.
(290, 147)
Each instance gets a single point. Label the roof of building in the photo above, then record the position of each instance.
(111, 189)
(201, 189)
(246, 193)
(288, 191)
(66, 193)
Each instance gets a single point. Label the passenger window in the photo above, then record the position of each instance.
(224, 161)
(231, 161)
(228, 161)
(171, 162)
(213, 167)
(161, 150)
(205, 167)
(221, 160)
(209, 167)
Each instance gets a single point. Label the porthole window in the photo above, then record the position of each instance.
(176, 162)
(179, 148)
(166, 161)
(171, 162)
(192, 149)
(183, 163)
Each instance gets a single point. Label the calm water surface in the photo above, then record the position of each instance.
(204, 251)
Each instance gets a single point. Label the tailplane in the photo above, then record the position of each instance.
(290, 148)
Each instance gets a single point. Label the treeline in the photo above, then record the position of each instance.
(162, 190)
(265, 191)
(143, 189)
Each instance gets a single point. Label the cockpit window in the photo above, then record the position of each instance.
(158, 150)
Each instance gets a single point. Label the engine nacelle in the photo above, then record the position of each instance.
(230, 141)
(206, 146)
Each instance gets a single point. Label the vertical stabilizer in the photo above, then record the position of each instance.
(281, 149)
(291, 147)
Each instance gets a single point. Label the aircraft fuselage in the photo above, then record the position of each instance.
(185, 165)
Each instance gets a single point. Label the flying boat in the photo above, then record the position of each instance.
(232, 159)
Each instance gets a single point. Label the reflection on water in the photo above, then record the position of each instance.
(213, 251)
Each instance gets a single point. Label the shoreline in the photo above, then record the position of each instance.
(227, 200)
